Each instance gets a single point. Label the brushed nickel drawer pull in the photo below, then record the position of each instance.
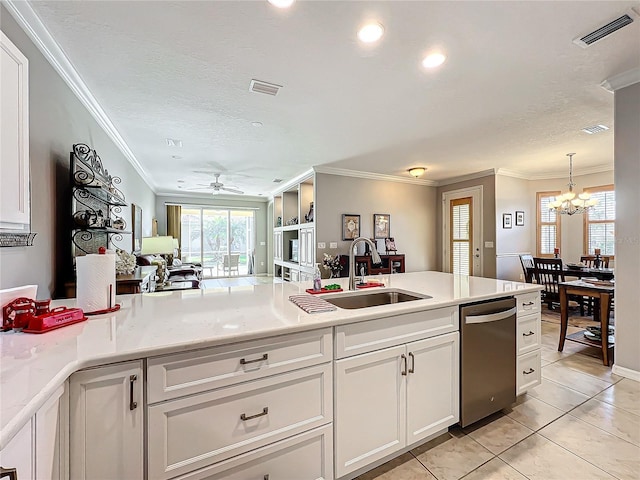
(413, 363)
(132, 405)
(404, 359)
(528, 372)
(261, 359)
(528, 334)
(528, 304)
(244, 417)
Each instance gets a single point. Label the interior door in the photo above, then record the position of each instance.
(462, 233)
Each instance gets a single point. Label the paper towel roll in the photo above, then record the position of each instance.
(96, 282)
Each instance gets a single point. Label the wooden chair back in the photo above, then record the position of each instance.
(549, 273)
(526, 260)
(590, 261)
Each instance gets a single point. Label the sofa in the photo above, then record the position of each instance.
(188, 273)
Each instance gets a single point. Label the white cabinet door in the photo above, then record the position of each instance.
(307, 252)
(370, 418)
(18, 453)
(277, 245)
(432, 386)
(51, 434)
(106, 423)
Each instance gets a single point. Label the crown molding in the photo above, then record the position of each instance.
(505, 172)
(576, 172)
(373, 176)
(464, 178)
(621, 80)
(38, 33)
(292, 182)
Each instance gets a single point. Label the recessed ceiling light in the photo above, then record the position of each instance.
(281, 3)
(172, 142)
(180, 181)
(256, 124)
(176, 157)
(371, 32)
(595, 129)
(433, 60)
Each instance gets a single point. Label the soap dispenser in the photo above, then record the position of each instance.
(317, 279)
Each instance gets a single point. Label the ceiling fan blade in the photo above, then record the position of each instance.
(232, 190)
(199, 188)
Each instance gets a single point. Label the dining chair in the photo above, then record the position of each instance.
(550, 272)
(526, 260)
(590, 261)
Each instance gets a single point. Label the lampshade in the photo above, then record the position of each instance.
(157, 245)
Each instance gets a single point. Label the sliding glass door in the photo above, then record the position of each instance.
(223, 240)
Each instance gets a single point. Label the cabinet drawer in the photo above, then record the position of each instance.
(367, 336)
(176, 375)
(307, 456)
(528, 303)
(200, 430)
(528, 333)
(528, 372)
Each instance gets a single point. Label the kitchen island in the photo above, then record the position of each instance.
(150, 328)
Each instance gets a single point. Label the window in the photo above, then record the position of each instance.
(547, 224)
(599, 223)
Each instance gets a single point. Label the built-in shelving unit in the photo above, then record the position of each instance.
(294, 231)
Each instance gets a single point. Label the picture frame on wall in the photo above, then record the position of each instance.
(519, 218)
(350, 226)
(381, 225)
(506, 220)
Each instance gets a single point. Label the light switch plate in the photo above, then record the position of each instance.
(262, 244)
(488, 244)
(322, 245)
(333, 244)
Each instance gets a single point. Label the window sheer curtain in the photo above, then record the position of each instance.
(174, 219)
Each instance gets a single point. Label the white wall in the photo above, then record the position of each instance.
(262, 236)
(513, 194)
(627, 180)
(57, 120)
(571, 227)
(412, 209)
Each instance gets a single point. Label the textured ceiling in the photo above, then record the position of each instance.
(514, 92)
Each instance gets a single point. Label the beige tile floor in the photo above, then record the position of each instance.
(582, 422)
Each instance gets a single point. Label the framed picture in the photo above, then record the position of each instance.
(381, 225)
(519, 218)
(506, 220)
(136, 228)
(350, 226)
(390, 245)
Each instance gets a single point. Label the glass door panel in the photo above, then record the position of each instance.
(190, 233)
(461, 236)
(215, 228)
(241, 240)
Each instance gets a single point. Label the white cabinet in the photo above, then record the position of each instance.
(106, 422)
(395, 397)
(19, 453)
(307, 252)
(277, 245)
(528, 360)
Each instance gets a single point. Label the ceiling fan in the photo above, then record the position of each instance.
(217, 187)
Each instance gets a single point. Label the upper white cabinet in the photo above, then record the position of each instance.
(14, 142)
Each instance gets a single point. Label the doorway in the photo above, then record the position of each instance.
(222, 240)
(462, 233)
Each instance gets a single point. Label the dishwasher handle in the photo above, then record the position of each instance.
(492, 317)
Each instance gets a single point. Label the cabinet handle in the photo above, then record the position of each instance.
(244, 417)
(10, 473)
(404, 359)
(261, 359)
(413, 363)
(528, 334)
(132, 405)
(528, 304)
(528, 372)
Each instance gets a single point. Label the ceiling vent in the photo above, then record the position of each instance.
(595, 129)
(277, 180)
(258, 86)
(598, 34)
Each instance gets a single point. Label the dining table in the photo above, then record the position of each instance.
(580, 272)
(602, 291)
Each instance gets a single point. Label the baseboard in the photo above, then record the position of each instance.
(626, 372)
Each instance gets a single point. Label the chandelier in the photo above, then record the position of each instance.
(568, 203)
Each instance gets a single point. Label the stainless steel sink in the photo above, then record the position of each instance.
(372, 299)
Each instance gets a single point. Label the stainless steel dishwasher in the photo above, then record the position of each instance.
(487, 358)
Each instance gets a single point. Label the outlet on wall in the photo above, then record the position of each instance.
(262, 244)
(262, 264)
(333, 244)
(322, 245)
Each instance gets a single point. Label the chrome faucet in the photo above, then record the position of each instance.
(375, 259)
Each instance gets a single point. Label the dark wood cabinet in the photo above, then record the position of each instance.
(390, 264)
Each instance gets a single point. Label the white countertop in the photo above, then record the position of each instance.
(34, 366)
